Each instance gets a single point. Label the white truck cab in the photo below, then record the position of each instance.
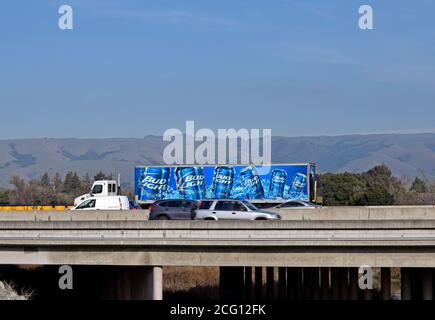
(100, 188)
(104, 203)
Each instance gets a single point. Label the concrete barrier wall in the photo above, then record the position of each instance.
(127, 215)
(328, 213)
(360, 213)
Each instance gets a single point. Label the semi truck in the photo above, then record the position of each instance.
(262, 185)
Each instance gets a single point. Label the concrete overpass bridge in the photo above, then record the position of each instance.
(313, 254)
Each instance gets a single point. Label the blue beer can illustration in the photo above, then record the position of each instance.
(153, 183)
(251, 183)
(277, 183)
(190, 182)
(297, 187)
(223, 179)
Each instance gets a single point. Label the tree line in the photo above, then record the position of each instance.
(49, 190)
(377, 186)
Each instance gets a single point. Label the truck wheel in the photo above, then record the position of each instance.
(162, 217)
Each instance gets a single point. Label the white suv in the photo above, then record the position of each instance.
(229, 209)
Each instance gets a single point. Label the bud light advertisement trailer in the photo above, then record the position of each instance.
(282, 182)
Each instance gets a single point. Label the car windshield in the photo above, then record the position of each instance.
(250, 205)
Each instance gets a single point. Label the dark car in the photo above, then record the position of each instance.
(177, 209)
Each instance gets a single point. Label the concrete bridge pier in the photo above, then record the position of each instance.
(291, 281)
(427, 284)
(294, 283)
(385, 283)
(416, 283)
(353, 284)
(308, 283)
(282, 283)
(248, 283)
(335, 283)
(324, 283)
(344, 283)
(270, 282)
(316, 284)
(132, 283)
(258, 283)
(405, 286)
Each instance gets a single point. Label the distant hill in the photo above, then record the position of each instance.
(406, 154)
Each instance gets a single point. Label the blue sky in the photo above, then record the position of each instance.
(132, 68)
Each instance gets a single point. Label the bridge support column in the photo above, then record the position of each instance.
(294, 283)
(282, 283)
(335, 283)
(344, 283)
(258, 283)
(385, 283)
(316, 283)
(353, 284)
(119, 282)
(427, 284)
(231, 282)
(308, 283)
(324, 282)
(248, 283)
(405, 288)
(145, 283)
(291, 282)
(270, 282)
(110, 289)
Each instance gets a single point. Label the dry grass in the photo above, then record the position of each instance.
(8, 291)
(191, 282)
(185, 278)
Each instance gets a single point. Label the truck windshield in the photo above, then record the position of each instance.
(250, 205)
(87, 204)
(97, 189)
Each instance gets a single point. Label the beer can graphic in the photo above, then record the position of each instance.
(251, 183)
(222, 185)
(190, 182)
(153, 183)
(297, 186)
(277, 183)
